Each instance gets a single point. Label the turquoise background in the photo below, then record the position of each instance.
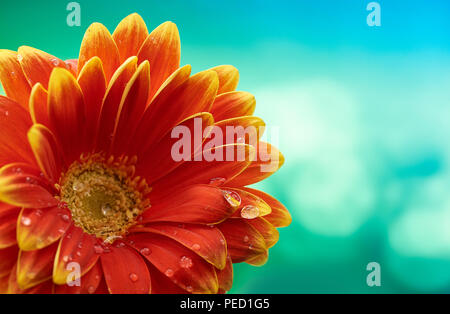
(363, 114)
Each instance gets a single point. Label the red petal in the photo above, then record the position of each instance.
(98, 42)
(66, 112)
(8, 222)
(232, 105)
(35, 267)
(244, 241)
(129, 36)
(38, 65)
(162, 50)
(89, 283)
(38, 228)
(75, 246)
(207, 242)
(125, 271)
(14, 82)
(181, 265)
(225, 277)
(14, 124)
(161, 284)
(195, 204)
(8, 258)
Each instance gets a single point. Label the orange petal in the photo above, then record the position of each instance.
(232, 105)
(72, 66)
(75, 246)
(125, 271)
(98, 42)
(259, 260)
(162, 49)
(38, 65)
(245, 130)
(185, 268)
(38, 228)
(167, 110)
(66, 112)
(269, 160)
(4, 282)
(133, 103)
(204, 172)
(14, 82)
(24, 186)
(129, 36)
(38, 105)
(111, 103)
(280, 216)
(266, 229)
(228, 78)
(93, 84)
(201, 204)
(251, 206)
(13, 288)
(88, 283)
(8, 258)
(161, 153)
(35, 267)
(46, 151)
(8, 222)
(207, 242)
(244, 241)
(225, 276)
(14, 124)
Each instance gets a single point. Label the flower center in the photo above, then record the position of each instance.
(103, 196)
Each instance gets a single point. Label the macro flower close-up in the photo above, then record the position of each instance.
(92, 199)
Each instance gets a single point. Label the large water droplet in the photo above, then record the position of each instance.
(249, 212)
(26, 221)
(134, 277)
(232, 198)
(186, 262)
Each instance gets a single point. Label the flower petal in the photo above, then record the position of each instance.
(46, 151)
(38, 65)
(129, 36)
(72, 66)
(194, 95)
(111, 103)
(181, 265)
(207, 242)
(266, 229)
(162, 49)
(132, 106)
(161, 284)
(244, 241)
(66, 112)
(8, 222)
(38, 105)
(244, 130)
(8, 258)
(228, 78)
(200, 204)
(225, 276)
(14, 82)
(269, 160)
(98, 42)
(161, 153)
(202, 172)
(89, 283)
(13, 287)
(232, 105)
(259, 260)
(38, 228)
(14, 124)
(24, 186)
(280, 216)
(125, 271)
(258, 206)
(75, 246)
(35, 267)
(92, 82)
(4, 282)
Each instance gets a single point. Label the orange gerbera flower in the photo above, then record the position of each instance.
(88, 186)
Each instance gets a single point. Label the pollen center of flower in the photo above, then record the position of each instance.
(103, 197)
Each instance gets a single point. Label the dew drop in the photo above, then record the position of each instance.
(26, 221)
(98, 249)
(232, 198)
(169, 272)
(54, 61)
(65, 258)
(185, 262)
(217, 181)
(78, 253)
(196, 247)
(134, 277)
(19, 57)
(246, 239)
(189, 289)
(146, 251)
(65, 217)
(249, 212)
(91, 289)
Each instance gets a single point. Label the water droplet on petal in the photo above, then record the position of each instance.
(98, 249)
(134, 277)
(146, 251)
(65, 217)
(189, 289)
(19, 57)
(217, 181)
(169, 272)
(91, 289)
(186, 262)
(25, 221)
(54, 61)
(196, 247)
(232, 198)
(249, 212)
(246, 239)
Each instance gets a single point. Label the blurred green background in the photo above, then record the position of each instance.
(364, 118)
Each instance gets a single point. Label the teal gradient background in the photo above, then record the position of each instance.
(363, 115)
